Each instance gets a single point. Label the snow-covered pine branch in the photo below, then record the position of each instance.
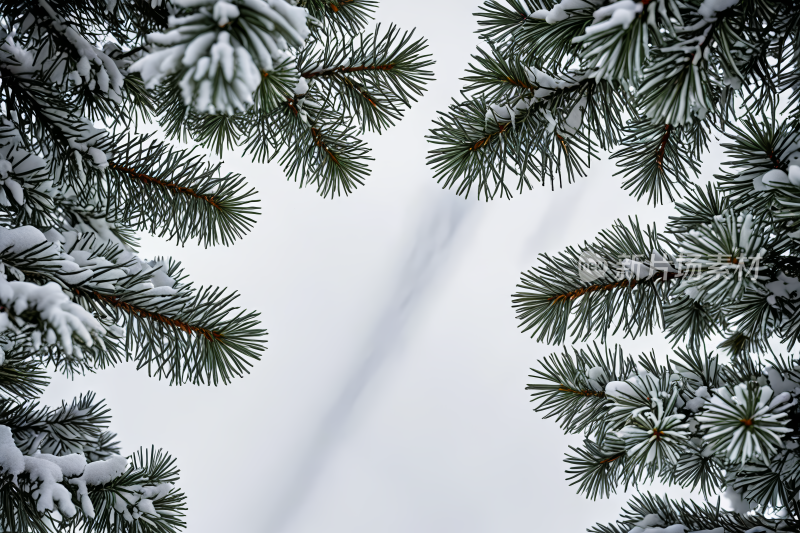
(675, 67)
(67, 488)
(725, 270)
(301, 79)
(76, 184)
(220, 50)
(299, 82)
(687, 422)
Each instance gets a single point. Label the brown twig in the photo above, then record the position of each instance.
(588, 393)
(577, 293)
(663, 147)
(210, 335)
(485, 140)
(346, 70)
(611, 459)
(132, 172)
(320, 142)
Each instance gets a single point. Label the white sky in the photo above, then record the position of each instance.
(391, 398)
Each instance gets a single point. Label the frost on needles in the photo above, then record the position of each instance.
(78, 182)
(651, 83)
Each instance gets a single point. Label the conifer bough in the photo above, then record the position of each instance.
(651, 82)
(77, 182)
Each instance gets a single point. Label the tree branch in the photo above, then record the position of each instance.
(663, 147)
(346, 70)
(577, 293)
(145, 178)
(209, 334)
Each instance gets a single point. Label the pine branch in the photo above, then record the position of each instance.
(767, 485)
(21, 376)
(18, 509)
(699, 208)
(216, 131)
(695, 469)
(757, 147)
(350, 16)
(172, 329)
(60, 431)
(144, 495)
(373, 78)
(565, 389)
(534, 41)
(693, 516)
(173, 194)
(692, 321)
(611, 296)
(654, 159)
(198, 340)
(596, 473)
(546, 136)
(319, 147)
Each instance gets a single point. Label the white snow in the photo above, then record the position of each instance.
(199, 46)
(695, 404)
(794, 175)
(49, 492)
(48, 473)
(620, 13)
(620, 389)
(675, 528)
(97, 473)
(770, 179)
(709, 8)
(71, 465)
(736, 502)
(746, 233)
(650, 521)
(778, 383)
(560, 11)
(224, 13)
(11, 459)
(596, 373)
(784, 287)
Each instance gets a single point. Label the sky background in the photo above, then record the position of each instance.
(392, 396)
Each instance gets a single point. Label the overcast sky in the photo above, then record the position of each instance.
(392, 397)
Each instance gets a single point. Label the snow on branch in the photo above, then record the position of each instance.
(221, 50)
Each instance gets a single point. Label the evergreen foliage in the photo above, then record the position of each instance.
(78, 181)
(300, 92)
(653, 82)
